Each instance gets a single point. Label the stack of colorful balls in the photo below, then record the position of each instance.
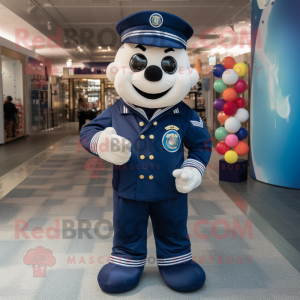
(231, 107)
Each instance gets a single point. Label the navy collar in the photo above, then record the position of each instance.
(128, 108)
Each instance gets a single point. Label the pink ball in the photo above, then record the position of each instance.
(231, 140)
(240, 86)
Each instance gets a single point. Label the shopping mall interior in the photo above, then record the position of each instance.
(69, 73)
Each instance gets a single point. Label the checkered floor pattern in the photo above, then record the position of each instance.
(56, 234)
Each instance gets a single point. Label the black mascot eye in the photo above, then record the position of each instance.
(169, 64)
(138, 62)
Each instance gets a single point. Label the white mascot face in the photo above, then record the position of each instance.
(152, 77)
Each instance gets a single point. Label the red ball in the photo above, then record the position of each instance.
(222, 148)
(230, 108)
(229, 62)
(240, 102)
(240, 86)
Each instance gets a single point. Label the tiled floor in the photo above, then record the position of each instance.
(62, 191)
(20, 150)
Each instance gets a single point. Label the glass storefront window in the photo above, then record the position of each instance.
(12, 80)
(89, 91)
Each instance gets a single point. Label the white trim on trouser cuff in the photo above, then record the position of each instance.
(174, 260)
(195, 164)
(127, 262)
(94, 142)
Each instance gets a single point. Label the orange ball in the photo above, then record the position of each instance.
(229, 62)
(222, 117)
(230, 94)
(241, 148)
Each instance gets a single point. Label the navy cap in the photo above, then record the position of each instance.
(155, 28)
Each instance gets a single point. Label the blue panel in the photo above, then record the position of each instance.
(275, 102)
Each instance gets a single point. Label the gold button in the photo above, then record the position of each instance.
(141, 124)
(142, 176)
(142, 137)
(151, 136)
(142, 157)
(151, 177)
(151, 157)
(155, 123)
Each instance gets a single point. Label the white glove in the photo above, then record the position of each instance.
(187, 179)
(113, 148)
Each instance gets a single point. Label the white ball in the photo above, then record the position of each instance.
(230, 76)
(242, 115)
(232, 125)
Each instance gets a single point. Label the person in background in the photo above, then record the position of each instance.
(9, 116)
(82, 107)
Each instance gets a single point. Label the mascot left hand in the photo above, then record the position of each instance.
(116, 149)
(187, 179)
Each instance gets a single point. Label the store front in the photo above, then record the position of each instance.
(94, 88)
(13, 88)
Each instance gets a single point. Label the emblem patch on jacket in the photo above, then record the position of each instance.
(171, 141)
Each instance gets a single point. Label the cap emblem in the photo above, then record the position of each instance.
(156, 20)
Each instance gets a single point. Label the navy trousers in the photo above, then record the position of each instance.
(169, 220)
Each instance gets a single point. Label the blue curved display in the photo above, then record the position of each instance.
(275, 94)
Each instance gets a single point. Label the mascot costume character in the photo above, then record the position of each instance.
(143, 135)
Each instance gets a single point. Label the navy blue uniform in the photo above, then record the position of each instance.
(147, 177)
(157, 148)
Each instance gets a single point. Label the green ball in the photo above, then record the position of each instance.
(221, 134)
(220, 86)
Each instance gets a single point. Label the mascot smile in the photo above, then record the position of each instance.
(144, 135)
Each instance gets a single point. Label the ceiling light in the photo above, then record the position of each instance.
(49, 26)
(249, 24)
(242, 22)
(84, 79)
(100, 47)
(30, 7)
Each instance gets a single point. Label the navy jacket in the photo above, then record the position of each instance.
(157, 148)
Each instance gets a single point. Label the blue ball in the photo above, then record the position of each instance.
(242, 134)
(218, 70)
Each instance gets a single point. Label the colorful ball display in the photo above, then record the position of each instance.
(231, 157)
(242, 115)
(232, 125)
(218, 70)
(220, 86)
(230, 108)
(241, 69)
(230, 94)
(218, 104)
(231, 140)
(222, 148)
(240, 102)
(241, 148)
(221, 134)
(222, 117)
(242, 134)
(230, 77)
(240, 86)
(229, 62)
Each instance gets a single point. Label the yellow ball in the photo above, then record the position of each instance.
(241, 69)
(231, 157)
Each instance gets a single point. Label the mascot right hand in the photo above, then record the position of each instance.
(113, 148)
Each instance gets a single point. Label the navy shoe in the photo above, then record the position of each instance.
(185, 277)
(119, 279)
